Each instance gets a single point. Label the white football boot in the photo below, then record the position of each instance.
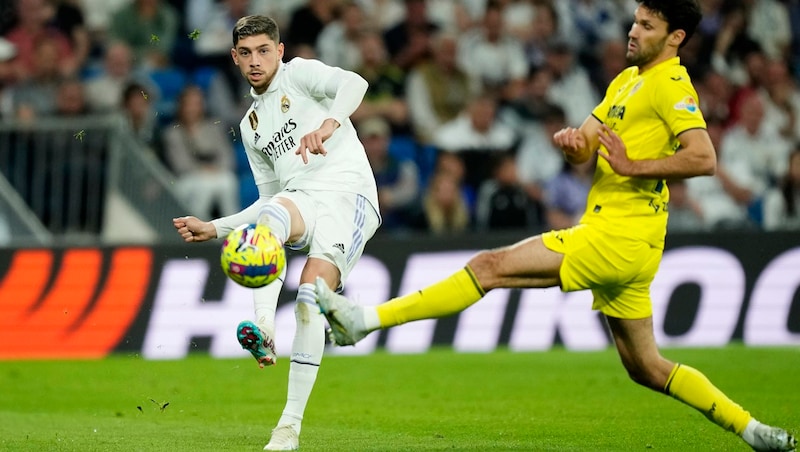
(345, 317)
(283, 438)
(768, 438)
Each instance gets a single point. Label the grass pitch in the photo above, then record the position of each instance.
(441, 400)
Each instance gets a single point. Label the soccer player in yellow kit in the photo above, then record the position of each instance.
(648, 128)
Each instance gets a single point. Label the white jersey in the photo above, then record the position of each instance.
(297, 102)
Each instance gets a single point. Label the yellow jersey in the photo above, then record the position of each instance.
(648, 111)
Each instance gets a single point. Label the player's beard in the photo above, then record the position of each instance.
(645, 54)
(261, 85)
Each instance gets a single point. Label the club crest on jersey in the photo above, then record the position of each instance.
(285, 104)
(687, 103)
(253, 119)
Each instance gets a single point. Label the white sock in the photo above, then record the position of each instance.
(277, 218)
(748, 435)
(307, 349)
(371, 320)
(265, 300)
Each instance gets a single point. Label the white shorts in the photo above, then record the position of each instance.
(338, 225)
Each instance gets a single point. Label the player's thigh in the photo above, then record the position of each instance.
(344, 223)
(527, 263)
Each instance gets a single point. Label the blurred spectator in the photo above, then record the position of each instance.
(781, 103)
(768, 25)
(305, 25)
(209, 24)
(456, 16)
(475, 135)
(214, 20)
(520, 18)
(71, 99)
(7, 53)
(502, 202)
(31, 30)
(716, 93)
(36, 95)
(731, 44)
(150, 28)
(139, 116)
(571, 88)
(386, 91)
(67, 17)
(383, 14)
(539, 160)
(612, 60)
(588, 23)
(99, 15)
(532, 106)
(492, 56)
(398, 180)
(445, 209)
(338, 42)
(685, 214)
(722, 202)
(104, 90)
(543, 31)
(753, 154)
(565, 195)
(280, 11)
(782, 203)
(409, 42)
(199, 152)
(437, 91)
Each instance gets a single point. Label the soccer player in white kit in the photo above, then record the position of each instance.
(316, 191)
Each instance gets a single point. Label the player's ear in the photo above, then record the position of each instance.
(235, 56)
(280, 50)
(677, 37)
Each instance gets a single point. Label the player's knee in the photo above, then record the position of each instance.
(484, 266)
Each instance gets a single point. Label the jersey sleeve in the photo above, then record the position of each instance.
(677, 104)
(312, 76)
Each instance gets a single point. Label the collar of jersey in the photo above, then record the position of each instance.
(273, 86)
(674, 61)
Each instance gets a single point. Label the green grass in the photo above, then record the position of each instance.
(441, 400)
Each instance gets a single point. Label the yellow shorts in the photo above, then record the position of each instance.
(617, 269)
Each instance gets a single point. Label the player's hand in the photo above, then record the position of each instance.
(615, 153)
(312, 142)
(571, 141)
(194, 230)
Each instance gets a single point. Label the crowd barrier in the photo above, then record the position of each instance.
(163, 302)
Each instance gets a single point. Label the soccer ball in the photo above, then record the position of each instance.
(252, 256)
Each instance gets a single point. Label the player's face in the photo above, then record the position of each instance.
(258, 58)
(647, 39)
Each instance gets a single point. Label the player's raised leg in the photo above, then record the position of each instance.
(524, 264)
(645, 365)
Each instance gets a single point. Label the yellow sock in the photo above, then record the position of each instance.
(448, 296)
(691, 387)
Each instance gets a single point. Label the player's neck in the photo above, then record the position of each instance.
(656, 61)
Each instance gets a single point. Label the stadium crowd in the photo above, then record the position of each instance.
(463, 101)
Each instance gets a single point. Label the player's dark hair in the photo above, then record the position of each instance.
(679, 14)
(256, 25)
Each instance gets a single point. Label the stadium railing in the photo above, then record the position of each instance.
(82, 180)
